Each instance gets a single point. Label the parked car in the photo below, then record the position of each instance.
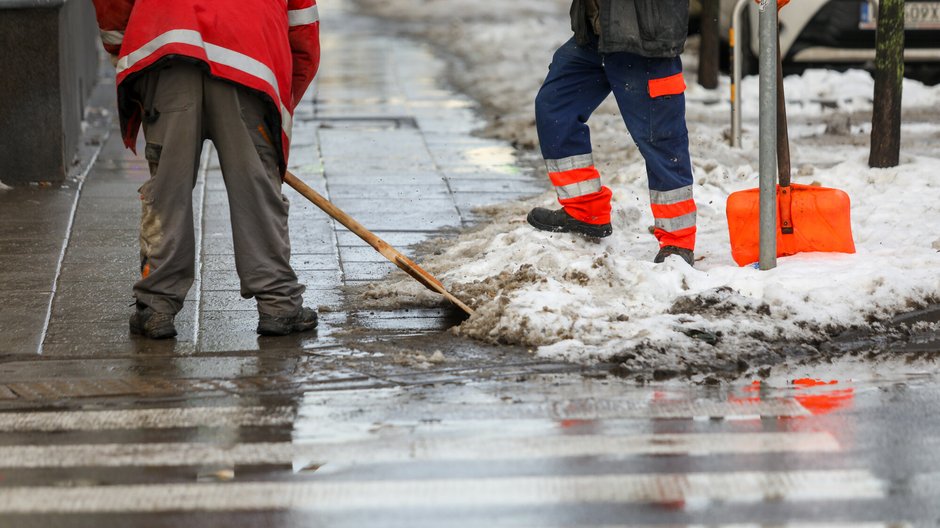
(841, 33)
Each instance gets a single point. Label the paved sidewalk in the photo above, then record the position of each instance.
(382, 139)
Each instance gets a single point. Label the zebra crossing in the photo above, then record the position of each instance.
(447, 455)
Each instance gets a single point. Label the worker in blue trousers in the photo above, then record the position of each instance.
(630, 48)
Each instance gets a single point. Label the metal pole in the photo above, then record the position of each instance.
(768, 134)
(737, 56)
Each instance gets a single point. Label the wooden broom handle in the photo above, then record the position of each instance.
(392, 254)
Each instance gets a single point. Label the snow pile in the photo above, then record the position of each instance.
(595, 300)
(4, 187)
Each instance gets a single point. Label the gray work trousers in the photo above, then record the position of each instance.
(182, 108)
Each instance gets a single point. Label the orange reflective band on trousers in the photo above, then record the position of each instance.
(683, 238)
(672, 85)
(674, 214)
(581, 194)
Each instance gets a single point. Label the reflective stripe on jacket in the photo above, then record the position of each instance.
(267, 46)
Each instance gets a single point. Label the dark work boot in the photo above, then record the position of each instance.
(686, 254)
(155, 325)
(561, 222)
(303, 320)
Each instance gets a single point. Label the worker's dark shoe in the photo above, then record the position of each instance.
(562, 222)
(305, 319)
(686, 254)
(155, 325)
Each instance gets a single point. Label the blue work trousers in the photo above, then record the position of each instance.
(649, 92)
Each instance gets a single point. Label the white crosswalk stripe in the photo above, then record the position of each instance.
(146, 419)
(733, 487)
(302, 455)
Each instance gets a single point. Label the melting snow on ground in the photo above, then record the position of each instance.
(584, 300)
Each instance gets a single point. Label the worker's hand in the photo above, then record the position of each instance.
(114, 59)
(780, 3)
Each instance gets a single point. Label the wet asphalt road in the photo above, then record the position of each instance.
(362, 423)
(495, 449)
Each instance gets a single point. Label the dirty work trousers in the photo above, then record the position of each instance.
(650, 94)
(182, 107)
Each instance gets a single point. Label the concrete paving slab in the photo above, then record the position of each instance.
(509, 186)
(231, 300)
(121, 168)
(104, 334)
(368, 271)
(110, 269)
(393, 193)
(412, 218)
(125, 185)
(365, 204)
(312, 237)
(128, 347)
(125, 235)
(365, 177)
(24, 244)
(360, 254)
(41, 264)
(26, 280)
(95, 206)
(95, 290)
(401, 240)
(228, 279)
(22, 315)
(228, 331)
(299, 261)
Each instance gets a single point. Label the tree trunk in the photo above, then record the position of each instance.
(889, 74)
(709, 51)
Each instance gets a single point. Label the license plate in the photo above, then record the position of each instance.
(917, 15)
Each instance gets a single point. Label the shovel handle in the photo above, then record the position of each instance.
(387, 251)
(783, 151)
(783, 138)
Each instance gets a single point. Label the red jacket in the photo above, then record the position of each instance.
(271, 46)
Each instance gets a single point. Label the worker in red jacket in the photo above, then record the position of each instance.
(231, 71)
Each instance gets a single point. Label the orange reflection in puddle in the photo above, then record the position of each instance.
(822, 402)
(808, 393)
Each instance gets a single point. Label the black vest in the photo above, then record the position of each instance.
(651, 28)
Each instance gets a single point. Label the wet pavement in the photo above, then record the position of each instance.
(383, 418)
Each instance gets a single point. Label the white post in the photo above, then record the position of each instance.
(737, 56)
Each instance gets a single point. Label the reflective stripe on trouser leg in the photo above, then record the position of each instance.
(579, 189)
(675, 216)
(573, 89)
(649, 92)
(259, 209)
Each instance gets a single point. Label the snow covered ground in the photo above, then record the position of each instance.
(568, 297)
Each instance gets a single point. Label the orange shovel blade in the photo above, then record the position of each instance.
(821, 222)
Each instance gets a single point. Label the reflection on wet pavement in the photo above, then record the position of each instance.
(379, 418)
(549, 450)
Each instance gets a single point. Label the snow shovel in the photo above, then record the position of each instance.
(403, 262)
(809, 218)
